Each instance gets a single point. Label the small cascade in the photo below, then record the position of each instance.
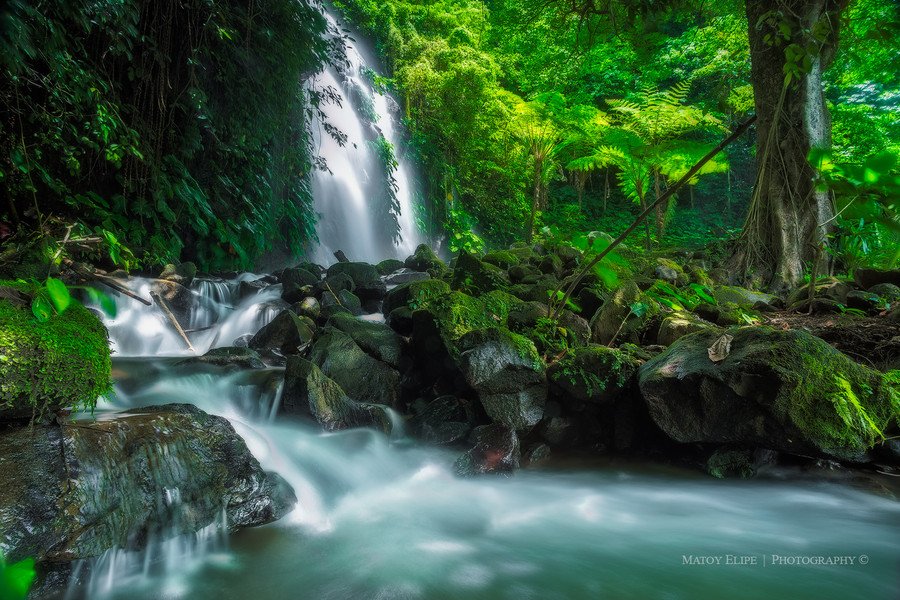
(346, 195)
(217, 317)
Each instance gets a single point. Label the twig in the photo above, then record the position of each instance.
(171, 316)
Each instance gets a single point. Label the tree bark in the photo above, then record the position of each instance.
(788, 218)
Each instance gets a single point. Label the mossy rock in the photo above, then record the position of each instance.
(679, 324)
(474, 276)
(744, 298)
(366, 279)
(592, 375)
(424, 259)
(781, 390)
(45, 367)
(522, 252)
(452, 316)
(501, 258)
(388, 266)
(414, 294)
(625, 316)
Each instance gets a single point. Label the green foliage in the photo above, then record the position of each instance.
(58, 363)
(16, 579)
(138, 119)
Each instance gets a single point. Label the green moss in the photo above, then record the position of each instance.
(63, 363)
(500, 304)
(501, 258)
(474, 276)
(594, 371)
(456, 314)
(841, 406)
(526, 349)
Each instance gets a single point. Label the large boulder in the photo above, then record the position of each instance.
(444, 420)
(365, 377)
(73, 490)
(376, 339)
(308, 391)
(231, 358)
(178, 298)
(507, 373)
(285, 334)
(592, 375)
(366, 279)
(866, 278)
(781, 390)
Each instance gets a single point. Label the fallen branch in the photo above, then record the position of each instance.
(557, 309)
(171, 316)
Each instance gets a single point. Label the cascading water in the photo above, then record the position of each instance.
(347, 194)
(381, 519)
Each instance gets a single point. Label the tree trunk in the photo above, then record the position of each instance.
(788, 218)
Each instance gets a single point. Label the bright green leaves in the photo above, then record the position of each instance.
(59, 294)
(16, 579)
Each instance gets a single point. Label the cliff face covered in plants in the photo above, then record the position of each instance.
(179, 127)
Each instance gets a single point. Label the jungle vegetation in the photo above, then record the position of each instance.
(178, 129)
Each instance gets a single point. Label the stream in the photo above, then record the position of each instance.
(382, 517)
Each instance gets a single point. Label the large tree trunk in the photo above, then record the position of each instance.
(787, 223)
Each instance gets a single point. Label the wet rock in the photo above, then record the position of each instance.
(232, 357)
(405, 276)
(361, 375)
(388, 266)
(424, 259)
(507, 373)
(248, 289)
(551, 264)
(366, 279)
(442, 421)
(537, 455)
(400, 320)
(592, 375)
(285, 334)
(308, 391)
(182, 274)
(782, 390)
(308, 307)
(376, 339)
(74, 490)
(334, 284)
(344, 299)
(731, 463)
(496, 450)
(296, 284)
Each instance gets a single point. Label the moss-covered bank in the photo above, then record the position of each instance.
(44, 367)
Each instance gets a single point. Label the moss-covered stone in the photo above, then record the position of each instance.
(475, 276)
(44, 367)
(744, 298)
(414, 294)
(678, 325)
(731, 463)
(593, 374)
(424, 259)
(501, 258)
(625, 316)
(782, 390)
(388, 266)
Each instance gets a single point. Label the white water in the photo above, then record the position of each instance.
(344, 196)
(378, 518)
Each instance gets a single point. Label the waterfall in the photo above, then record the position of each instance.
(349, 196)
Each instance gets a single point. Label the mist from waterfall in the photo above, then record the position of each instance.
(350, 196)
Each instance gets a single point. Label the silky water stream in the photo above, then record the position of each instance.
(386, 518)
